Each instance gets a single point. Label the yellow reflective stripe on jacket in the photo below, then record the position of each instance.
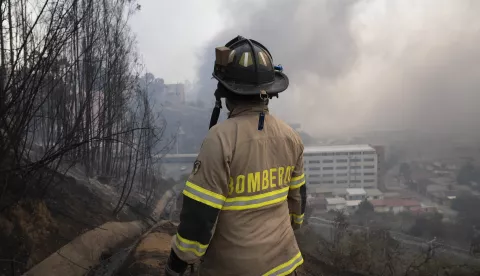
(203, 195)
(297, 181)
(286, 268)
(192, 246)
(256, 201)
(297, 218)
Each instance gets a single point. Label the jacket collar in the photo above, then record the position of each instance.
(248, 108)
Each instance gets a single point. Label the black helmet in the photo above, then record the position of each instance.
(244, 73)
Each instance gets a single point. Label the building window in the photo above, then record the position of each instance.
(356, 181)
(314, 162)
(355, 153)
(369, 180)
(342, 181)
(341, 153)
(314, 168)
(369, 167)
(355, 167)
(327, 161)
(369, 159)
(327, 154)
(355, 174)
(368, 152)
(312, 154)
(328, 175)
(342, 160)
(342, 174)
(355, 160)
(328, 168)
(342, 168)
(314, 175)
(314, 182)
(369, 173)
(327, 182)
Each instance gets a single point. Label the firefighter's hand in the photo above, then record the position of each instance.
(175, 266)
(170, 272)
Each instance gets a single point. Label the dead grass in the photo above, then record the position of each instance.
(36, 227)
(151, 254)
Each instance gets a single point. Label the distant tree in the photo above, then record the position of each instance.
(428, 226)
(466, 174)
(149, 77)
(405, 171)
(467, 207)
(159, 81)
(365, 207)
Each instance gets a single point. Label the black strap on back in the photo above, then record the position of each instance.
(218, 105)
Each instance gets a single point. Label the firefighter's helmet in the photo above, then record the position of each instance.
(245, 67)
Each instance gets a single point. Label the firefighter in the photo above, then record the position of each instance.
(246, 193)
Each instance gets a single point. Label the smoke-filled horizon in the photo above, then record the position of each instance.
(365, 64)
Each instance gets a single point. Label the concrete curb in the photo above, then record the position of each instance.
(83, 253)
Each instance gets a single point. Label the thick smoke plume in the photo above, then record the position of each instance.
(359, 65)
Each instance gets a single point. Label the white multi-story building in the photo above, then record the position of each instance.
(346, 166)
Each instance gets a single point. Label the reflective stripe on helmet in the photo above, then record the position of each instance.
(286, 268)
(256, 201)
(203, 195)
(297, 181)
(246, 59)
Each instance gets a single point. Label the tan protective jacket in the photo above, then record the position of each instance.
(245, 196)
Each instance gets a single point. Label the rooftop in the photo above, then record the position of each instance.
(394, 202)
(314, 201)
(353, 202)
(373, 192)
(356, 191)
(320, 189)
(335, 200)
(338, 148)
(436, 188)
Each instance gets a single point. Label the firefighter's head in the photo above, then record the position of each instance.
(245, 71)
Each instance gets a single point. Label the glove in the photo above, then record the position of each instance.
(175, 266)
(170, 272)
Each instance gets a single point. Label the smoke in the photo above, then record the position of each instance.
(365, 64)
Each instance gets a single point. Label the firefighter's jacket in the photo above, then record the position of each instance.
(245, 196)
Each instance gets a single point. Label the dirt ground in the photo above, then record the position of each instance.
(35, 228)
(151, 254)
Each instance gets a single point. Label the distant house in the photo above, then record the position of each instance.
(374, 194)
(336, 203)
(352, 205)
(441, 194)
(316, 204)
(316, 190)
(395, 205)
(355, 194)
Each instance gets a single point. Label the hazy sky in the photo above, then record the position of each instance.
(171, 35)
(353, 64)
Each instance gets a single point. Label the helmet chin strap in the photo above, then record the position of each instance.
(216, 109)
